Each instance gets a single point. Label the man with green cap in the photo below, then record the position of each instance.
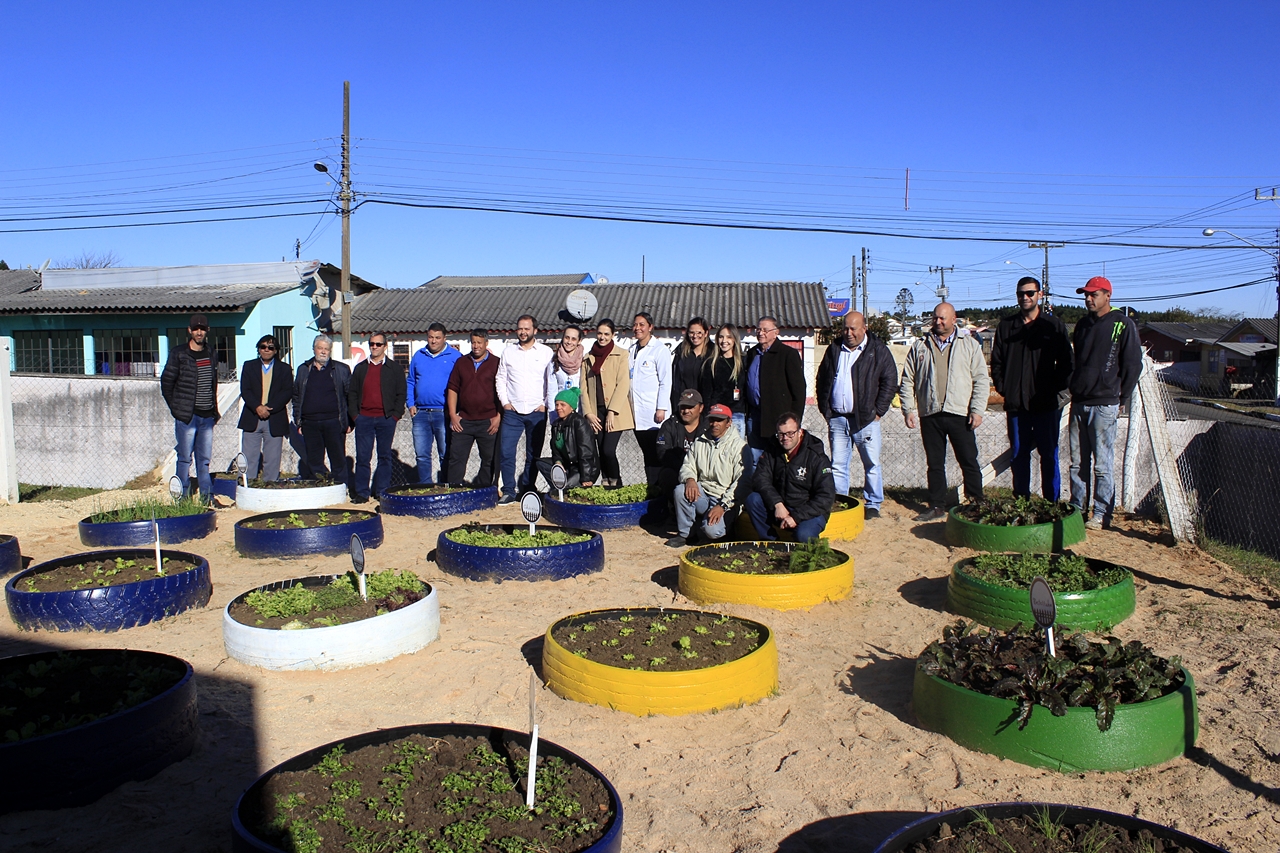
(572, 444)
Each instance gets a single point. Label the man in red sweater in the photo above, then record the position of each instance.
(474, 411)
(377, 396)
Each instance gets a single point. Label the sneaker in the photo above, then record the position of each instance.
(360, 499)
(933, 513)
(870, 512)
(1094, 523)
(676, 542)
(507, 499)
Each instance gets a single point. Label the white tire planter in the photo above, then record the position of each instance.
(373, 640)
(281, 500)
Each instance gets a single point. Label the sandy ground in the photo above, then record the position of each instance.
(833, 763)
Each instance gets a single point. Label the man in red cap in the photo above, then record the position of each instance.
(1108, 363)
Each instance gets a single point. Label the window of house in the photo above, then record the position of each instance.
(52, 351)
(126, 352)
(224, 341)
(284, 343)
(401, 355)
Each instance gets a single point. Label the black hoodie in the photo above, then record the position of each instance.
(1108, 360)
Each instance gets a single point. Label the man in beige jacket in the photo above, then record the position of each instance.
(709, 479)
(944, 391)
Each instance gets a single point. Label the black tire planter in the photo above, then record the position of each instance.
(600, 516)
(1034, 538)
(545, 563)
(10, 555)
(917, 831)
(299, 541)
(244, 841)
(137, 534)
(109, 608)
(1003, 607)
(392, 502)
(76, 766)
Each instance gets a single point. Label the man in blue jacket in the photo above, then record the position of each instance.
(429, 371)
(1108, 364)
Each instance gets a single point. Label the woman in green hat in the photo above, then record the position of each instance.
(573, 444)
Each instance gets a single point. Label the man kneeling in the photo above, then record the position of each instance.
(793, 484)
(711, 472)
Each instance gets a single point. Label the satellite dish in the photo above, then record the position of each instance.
(308, 269)
(601, 280)
(581, 304)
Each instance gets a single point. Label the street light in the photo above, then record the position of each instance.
(1274, 254)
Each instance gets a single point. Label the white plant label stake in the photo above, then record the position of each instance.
(242, 468)
(155, 529)
(175, 489)
(1044, 609)
(559, 479)
(357, 563)
(531, 508)
(533, 741)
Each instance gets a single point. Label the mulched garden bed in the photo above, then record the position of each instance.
(308, 518)
(72, 689)
(670, 642)
(101, 573)
(770, 559)
(433, 793)
(337, 603)
(1043, 833)
(422, 491)
(1008, 511)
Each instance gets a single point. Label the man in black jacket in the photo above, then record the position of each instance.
(376, 398)
(676, 435)
(189, 385)
(1108, 364)
(793, 484)
(856, 383)
(320, 409)
(774, 384)
(266, 387)
(1031, 369)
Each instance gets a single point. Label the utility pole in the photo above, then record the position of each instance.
(853, 289)
(1048, 296)
(864, 281)
(344, 195)
(942, 290)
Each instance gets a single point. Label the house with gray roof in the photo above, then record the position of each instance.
(121, 321)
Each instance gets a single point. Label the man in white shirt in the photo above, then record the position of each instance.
(650, 390)
(522, 389)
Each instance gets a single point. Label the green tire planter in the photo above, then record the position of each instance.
(1037, 538)
(1002, 607)
(1142, 734)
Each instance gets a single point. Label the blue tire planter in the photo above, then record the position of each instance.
(918, 831)
(10, 555)
(109, 608)
(226, 488)
(300, 541)
(137, 534)
(393, 502)
(76, 766)
(547, 563)
(249, 805)
(600, 516)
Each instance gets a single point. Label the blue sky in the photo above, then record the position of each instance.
(1137, 123)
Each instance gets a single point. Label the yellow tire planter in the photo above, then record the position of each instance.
(780, 592)
(845, 522)
(644, 693)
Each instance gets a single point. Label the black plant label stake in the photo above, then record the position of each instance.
(357, 563)
(559, 479)
(175, 489)
(531, 508)
(1044, 609)
(241, 466)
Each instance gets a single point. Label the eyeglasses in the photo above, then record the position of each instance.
(1027, 294)
(376, 344)
(267, 348)
(767, 331)
(791, 434)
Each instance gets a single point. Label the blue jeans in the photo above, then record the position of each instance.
(195, 436)
(368, 429)
(762, 520)
(533, 427)
(430, 425)
(867, 440)
(1092, 437)
(756, 443)
(1037, 430)
(688, 513)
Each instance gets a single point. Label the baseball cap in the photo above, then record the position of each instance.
(689, 397)
(198, 321)
(719, 412)
(1095, 284)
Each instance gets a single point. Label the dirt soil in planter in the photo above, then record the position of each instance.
(766, 560)
(350, 607)
(308, 518)
(420, 491)
(288, 484)
(832, 764)
(99, 573)
(72, 689)
(674, 641)
(1042, 835)
(428, 790)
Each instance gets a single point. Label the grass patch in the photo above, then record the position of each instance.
(1252, 564)
(29, 493)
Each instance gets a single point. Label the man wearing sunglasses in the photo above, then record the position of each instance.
(266, 387)
(376, 397)
(1031, 368)
(189, 385)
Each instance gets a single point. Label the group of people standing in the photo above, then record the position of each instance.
(719, 427)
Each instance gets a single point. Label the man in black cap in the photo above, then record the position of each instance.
(189, 386)
(676, 435)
